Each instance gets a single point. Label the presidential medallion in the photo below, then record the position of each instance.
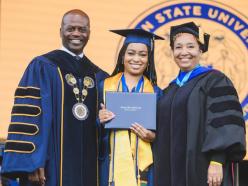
(80, 111)
(70, 79)
(89, 82)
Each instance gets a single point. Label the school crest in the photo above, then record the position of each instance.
(228, 42)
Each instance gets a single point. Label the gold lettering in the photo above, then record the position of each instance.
(223, 17)
(238, 26)
(197, 10)
(168, 13)
(231, 21)
(147, 26)
(213, 13)
(244, 33)
(177, 12)
(186, 9)
(160, 18)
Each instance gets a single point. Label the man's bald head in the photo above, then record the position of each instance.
(75, 12)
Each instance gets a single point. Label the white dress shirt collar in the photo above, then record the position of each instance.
(71, 53)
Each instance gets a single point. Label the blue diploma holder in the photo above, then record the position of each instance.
(130, 108)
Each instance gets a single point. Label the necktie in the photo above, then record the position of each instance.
(78, 58)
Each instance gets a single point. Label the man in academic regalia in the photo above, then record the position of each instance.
(52, 134)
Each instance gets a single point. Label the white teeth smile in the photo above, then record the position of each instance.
(75, 41)
(135, 65)
(184, 59)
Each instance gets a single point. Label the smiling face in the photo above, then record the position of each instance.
(75, 32)
(186, 51)
(135, 59)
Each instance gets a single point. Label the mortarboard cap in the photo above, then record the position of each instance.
(191, 28)
(137, 36)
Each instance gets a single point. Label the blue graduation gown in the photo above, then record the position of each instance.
(43, 130)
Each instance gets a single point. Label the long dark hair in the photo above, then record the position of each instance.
(149, 72)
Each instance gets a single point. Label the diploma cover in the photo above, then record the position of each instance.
(131, 107)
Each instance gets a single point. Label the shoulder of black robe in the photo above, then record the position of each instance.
(68, 62)
(225, 126)
(158, 91)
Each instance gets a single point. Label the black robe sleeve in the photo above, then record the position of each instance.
(225, 127)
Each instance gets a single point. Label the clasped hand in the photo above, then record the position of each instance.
(146, 135)
(37, 177)
(215, 175)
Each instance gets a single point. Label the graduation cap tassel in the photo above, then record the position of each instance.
(152, 71)
(201, 36)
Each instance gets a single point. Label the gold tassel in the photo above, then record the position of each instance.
(201, 35)
(139, 179)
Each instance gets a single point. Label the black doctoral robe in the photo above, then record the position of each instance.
(199, 122)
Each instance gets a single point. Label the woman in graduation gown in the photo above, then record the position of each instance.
(200, 129)
(126, 155)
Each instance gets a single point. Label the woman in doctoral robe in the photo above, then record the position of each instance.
(200, 129)
(126, 155)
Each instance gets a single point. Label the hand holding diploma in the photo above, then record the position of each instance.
(105, 115)
(143, 133)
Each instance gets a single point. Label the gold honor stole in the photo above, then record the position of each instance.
(124, 153)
